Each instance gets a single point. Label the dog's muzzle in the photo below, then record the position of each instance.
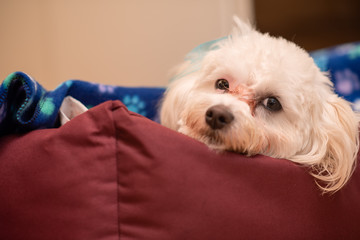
(218, 116)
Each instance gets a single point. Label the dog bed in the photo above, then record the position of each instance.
(111, 173)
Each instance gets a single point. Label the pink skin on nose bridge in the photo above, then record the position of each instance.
(246, 95)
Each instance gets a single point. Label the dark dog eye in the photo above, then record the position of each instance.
(272, 104)
(222, 84)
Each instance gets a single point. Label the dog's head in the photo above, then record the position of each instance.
(256, 94)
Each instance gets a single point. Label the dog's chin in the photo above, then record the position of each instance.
(206, 135)
(214, 139)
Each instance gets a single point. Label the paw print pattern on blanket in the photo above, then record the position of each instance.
(48, 106)
(342, 65)
(354, 53)
(346, 82)
(135, 104)
(106, 88)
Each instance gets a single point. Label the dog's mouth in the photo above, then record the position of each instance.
(213, 137)
(216, 139)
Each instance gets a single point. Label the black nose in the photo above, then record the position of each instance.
(218, 116)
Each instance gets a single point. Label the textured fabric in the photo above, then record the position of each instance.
(61, 183)
(113, 174)
(25, 105)
(173, 187)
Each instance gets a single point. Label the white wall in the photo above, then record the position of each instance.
(122, 42)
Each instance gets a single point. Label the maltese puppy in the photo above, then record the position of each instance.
(257, 94)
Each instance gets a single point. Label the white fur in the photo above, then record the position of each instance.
(315, 128)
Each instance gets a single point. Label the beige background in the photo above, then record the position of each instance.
(121, 42)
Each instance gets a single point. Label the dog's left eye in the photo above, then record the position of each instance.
(272, 104)
(222, 84)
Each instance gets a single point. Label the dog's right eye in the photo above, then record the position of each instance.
(272, 104)
(222, 84)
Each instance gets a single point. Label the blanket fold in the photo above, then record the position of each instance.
(26, 105)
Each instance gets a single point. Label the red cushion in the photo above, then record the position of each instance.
(111, 174)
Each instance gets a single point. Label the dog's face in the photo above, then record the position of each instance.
(253, 96)
(257, 94)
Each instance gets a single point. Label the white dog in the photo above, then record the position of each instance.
(256, 94)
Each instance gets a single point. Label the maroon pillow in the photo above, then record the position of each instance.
(61, 183)
(112, 174)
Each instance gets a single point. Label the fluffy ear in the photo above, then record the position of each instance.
(241, 28)
(335, 143)
(174, 101)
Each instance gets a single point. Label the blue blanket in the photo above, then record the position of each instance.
(25, 105)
